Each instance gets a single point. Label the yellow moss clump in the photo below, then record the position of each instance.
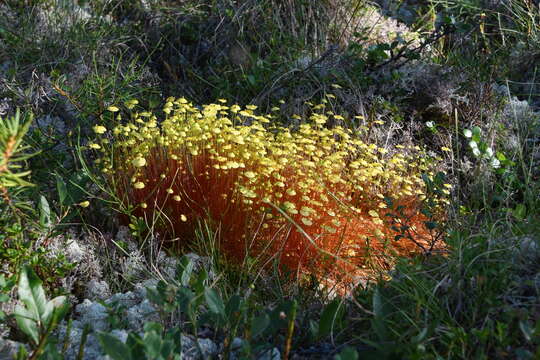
(314, 196)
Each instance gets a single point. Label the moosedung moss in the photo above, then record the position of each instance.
(317, 197)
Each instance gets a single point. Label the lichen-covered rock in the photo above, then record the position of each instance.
(9, 349)
(518, 116)
(93, 314)
(190, 350)
(82, 252)
(272, 354)
(133, 266)
(6, 107)
(97, 290)
(129, 312)
(380, 28)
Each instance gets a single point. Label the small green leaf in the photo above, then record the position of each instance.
(330, 317)
(27, 322)
(198, 285)
(61, 188)
(233, 306)
(526, 329)
(520, 211)
(313, 328)
(501, 157)
(348, 353)
(31, 293)
(420, 337)
(214, 301)
(251, 80)
(44, 212)
(167, 349)
(426, 180)
(259, 324)
(113, 347)
(22, 353)
(185, 270)
(153, 327)
(379, 312)
(152, 345)
(61, 308)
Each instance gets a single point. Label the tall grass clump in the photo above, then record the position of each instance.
(312, 196)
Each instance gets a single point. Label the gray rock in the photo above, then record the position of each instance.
(202, 262)
(121, 335)
(167, 264)
(92, 350)
(524, 251)
(527, 249)
(97, 290)
(123, 235)
(6, 106)
(272, 354)
(8, 348)
(190, 349)
(128, 299)
(92, 313)
(237, 343)
(138, 315)
(49, 122)
(82, 252)
(140, 288)
(134, 266)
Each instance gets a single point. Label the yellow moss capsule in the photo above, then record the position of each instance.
(99, 129)
(329, 229)
(139, 185)
(250, 174)
(183, 218)
(113, 108)
(139, 162)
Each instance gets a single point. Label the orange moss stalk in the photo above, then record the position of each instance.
(316, 197)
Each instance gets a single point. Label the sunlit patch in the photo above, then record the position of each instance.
(299, 193)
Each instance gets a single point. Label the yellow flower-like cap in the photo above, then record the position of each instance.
(138, 185)
(98, 129)
(139, 162)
